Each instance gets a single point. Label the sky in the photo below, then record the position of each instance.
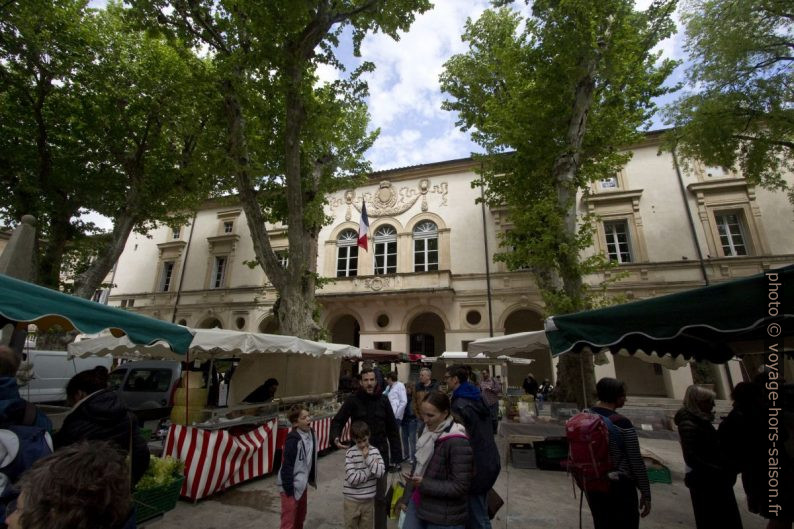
(405, 97)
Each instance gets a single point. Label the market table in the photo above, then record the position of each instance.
(218, 457)
(322, 429)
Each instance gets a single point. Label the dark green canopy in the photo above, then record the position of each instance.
(711, 323)
(22, 302)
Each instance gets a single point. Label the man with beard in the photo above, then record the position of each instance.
(373, 408)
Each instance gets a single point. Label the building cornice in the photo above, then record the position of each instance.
(737, 184)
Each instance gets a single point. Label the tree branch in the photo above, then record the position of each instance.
(781, 143)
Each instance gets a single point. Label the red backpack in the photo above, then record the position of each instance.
(589, 460)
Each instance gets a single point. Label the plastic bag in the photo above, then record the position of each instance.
(398, 489)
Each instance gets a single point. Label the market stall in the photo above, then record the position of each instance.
(230, 444)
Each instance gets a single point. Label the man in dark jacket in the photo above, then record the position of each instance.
(99, 414)
(374, 409)
(469, 406)
(14, 408)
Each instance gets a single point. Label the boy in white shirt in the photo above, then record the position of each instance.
(363, 466)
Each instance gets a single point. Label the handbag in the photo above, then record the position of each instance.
(494, 502)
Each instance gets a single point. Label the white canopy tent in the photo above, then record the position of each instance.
(452, 357)
(302, 367)
(510, 344)
(535, 341)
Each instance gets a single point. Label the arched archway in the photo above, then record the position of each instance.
(427, 337)
(269, 325)
(210, 323)
(346, 330)
(525, 320)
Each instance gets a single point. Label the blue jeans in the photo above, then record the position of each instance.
(478, 512)
(409, 438)
(412, 521)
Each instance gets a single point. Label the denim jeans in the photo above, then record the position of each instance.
(412, 521)
(478, 512)
(409, 438)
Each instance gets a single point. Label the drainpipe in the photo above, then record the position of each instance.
(691, 220)
(182, 272)
(487, 261)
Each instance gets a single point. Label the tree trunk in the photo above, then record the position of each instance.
(576, 378)
(58, 234)
(87, 282)
(575, 372)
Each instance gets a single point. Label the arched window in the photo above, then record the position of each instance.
(425, 246)
(347, 254)
(385, 250)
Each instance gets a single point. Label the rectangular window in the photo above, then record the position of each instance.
(165, 279)
(123, 303)
(131, 302)
(283, 258)
(116, 378)
(218, 273)
(617, 235)
(609, 183)
(175, 232)
(425, 255)
(228, 226)
(347, 261)
(386, 257)
(151, 380)
(732, 238)
(383, 346)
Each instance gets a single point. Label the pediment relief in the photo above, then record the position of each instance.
(221, 244)
(389, 200)
(171, 249)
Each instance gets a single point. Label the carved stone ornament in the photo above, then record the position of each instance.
(389, 201)
(377, 283)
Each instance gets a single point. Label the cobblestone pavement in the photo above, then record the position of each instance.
(534, 499)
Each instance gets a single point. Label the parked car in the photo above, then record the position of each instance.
(147, 386)
(43, 375)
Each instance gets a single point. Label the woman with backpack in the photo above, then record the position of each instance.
(709, 481)
(436, 494)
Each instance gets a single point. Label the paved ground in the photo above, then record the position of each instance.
(534, 498)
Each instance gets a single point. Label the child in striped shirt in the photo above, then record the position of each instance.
(363, 466)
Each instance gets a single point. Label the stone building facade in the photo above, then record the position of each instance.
(424, 283)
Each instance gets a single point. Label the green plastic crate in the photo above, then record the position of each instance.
(660, 475)
(552, 453)
(156, 501)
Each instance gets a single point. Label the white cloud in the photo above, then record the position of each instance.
(405, 92)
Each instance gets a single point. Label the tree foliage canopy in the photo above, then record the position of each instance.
(289, 139)
(738, 112)
(96, 115)
(562, 92)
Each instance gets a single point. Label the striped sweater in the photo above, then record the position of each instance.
(361, 476)
(626, 451)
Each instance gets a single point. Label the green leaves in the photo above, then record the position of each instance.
(96, 115)
(562, 93)
(738, 112)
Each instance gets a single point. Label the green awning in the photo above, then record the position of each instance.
(22, 302)
(712, 323)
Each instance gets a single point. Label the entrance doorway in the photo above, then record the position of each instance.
(346, 330)
(525, 320)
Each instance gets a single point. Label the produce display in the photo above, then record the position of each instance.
(162, 471)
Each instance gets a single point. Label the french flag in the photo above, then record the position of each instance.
(363, 226)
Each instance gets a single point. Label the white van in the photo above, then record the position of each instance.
(43, 375)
